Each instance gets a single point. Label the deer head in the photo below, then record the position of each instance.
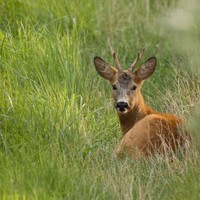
(126, 84)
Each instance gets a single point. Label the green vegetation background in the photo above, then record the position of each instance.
(58, 128)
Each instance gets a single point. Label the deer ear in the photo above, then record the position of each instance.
(104, 69)
(146, 69)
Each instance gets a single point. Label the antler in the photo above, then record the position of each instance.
(139, 56)
(118, 65)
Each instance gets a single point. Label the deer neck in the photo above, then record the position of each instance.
(139, 111)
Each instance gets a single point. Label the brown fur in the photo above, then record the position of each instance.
(145, 132)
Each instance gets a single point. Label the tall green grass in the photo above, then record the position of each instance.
(58, 128)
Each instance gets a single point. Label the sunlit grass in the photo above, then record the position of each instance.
(58, 128)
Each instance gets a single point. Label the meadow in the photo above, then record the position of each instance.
(58, 127)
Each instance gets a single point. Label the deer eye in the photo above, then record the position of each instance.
(134, 87)
(114, 87)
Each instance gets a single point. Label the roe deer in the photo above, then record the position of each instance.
(145, 132)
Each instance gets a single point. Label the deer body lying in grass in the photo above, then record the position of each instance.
(145, 132)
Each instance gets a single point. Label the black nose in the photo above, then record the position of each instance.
(122, 106)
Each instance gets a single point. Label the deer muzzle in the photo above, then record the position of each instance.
(122, 106)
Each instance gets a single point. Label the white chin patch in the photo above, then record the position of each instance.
(122, 111)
